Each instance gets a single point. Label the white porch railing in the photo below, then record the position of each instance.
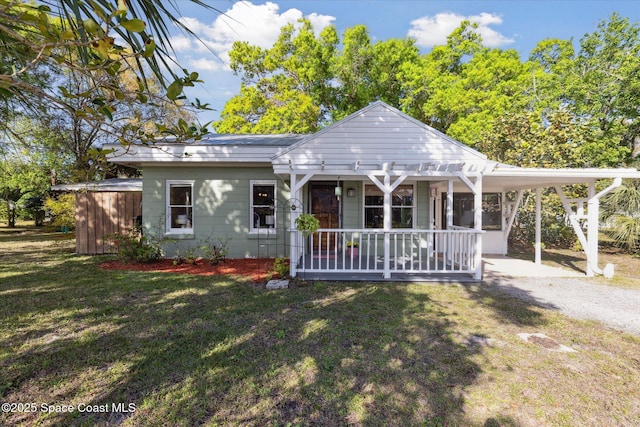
(410, 251)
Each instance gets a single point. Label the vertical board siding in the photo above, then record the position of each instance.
(81, 224)
(103, 213)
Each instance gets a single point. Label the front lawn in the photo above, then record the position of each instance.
(140, 348)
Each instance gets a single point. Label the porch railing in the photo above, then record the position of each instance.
(410, 251)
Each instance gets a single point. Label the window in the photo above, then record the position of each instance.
(491, 210)
(179, 206)
(401, 207)
(263, 212)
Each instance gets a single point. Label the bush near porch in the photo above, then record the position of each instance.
(192, 350)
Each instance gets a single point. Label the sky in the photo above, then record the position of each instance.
(505, 24)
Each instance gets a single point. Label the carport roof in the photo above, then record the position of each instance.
(504, 177)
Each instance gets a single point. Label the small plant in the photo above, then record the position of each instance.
(352, 244)
(307, 224)
(133, 247)
(281, 266)
(190, 256)
(216, 251)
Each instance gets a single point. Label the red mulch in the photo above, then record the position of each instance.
(257, 269)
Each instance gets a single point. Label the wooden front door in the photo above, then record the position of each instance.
(326, 207)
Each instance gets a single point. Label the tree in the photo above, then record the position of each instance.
(600, 84)
(530, 139)
(19, 182)
(621, 215)
(304, 82)
(285, 89)
(38, 40)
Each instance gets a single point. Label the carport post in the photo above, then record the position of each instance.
(538, 258)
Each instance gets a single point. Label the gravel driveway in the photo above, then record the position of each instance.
(615, 307)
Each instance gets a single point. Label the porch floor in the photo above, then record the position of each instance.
(399, 273)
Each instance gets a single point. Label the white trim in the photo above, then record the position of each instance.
(252, 227)
(178, 182)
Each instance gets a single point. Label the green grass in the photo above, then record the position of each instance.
(190, 350)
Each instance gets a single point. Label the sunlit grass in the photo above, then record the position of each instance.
(190, 350)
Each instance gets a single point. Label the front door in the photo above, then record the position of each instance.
(325, 206)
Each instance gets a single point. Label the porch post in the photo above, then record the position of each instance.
(449, 204)
(387, 189)
(293, 234)
(512, 218)
(593, 213)
(538, 244)
(477, 225)
(388, 224)
(593, 223)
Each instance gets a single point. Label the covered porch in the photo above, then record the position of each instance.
(384, 166)
(394, 163)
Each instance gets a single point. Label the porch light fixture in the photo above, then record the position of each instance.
(351, 192)
(338, 191)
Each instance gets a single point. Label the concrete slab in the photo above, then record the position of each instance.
(503, 266)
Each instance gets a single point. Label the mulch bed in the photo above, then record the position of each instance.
(256, 269)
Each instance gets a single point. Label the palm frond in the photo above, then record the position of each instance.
(157, 14)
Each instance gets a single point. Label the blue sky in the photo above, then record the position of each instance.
(506, 24)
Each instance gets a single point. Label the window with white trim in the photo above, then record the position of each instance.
(401, 207)
(262, 212)
(179, 206)
(463, 210)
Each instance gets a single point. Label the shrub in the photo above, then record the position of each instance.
(281, 266)
(216, 250)
(62, 210)
(133, 247)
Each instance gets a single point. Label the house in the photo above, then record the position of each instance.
(410, 197)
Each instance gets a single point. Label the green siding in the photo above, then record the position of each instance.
(221, 209)
(352, 207)
(422, 204)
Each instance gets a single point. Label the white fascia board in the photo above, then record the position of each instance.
(593, 173)
(179, 153)
(529, 178)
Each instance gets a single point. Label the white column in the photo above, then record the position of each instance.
(593, 223)
(449, 203)
(477, 225)
(387, 225)
(293, 241)
(593, 213)
(538, 244)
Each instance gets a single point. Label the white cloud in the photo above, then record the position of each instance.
(433, 30)
(181, 43)
(204, 64)
(258, 25)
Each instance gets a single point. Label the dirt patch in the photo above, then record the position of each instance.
(546, 342)
(256, 269)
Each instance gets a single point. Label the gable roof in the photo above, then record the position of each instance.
(375, 135)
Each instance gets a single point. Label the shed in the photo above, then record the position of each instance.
(103, 208)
